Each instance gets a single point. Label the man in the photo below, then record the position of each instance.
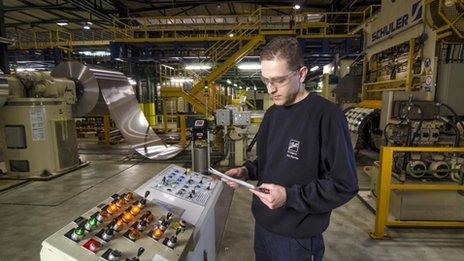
(305, 165)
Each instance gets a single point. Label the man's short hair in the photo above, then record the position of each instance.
(285, 48)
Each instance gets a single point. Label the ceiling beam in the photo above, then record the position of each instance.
(51, 21)
(184, 11)
(94, 10)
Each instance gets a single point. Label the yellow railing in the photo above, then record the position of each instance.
(32, 39)
(371, 90)
(185, 28)
(386, 186)
(446, 20)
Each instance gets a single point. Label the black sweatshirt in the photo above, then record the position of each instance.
(304, 147)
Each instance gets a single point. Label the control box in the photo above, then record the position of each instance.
(223, 117)
(241, 118)
(202, 208)
(126, 226)
(181, 183)
(172, 216)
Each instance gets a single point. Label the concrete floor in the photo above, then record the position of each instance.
(32, 211)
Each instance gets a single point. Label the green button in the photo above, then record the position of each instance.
(79, 231)
(92, 222)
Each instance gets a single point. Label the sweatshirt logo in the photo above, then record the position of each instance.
(292, 150)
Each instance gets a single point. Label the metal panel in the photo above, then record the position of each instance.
(450, 82)
(3, 89)
(100, 89)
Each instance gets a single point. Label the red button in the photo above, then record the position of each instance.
(92, 245)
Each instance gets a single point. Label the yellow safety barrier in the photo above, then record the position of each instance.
(385, 187)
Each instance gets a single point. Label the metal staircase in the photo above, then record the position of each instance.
(223, 55)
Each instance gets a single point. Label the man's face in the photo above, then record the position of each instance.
(282, 83)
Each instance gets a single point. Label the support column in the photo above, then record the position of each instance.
(4, 65)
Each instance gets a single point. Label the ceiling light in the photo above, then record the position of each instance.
(62, 23)
(86, 27)
(89, 23)
(315, 68)
(229, 81)
(231, 35)
(181, 80)
(249, 66)
(194, 67)
(296, 7)
(95, 53)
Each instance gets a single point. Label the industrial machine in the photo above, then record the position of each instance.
(37, 124)
(170, 217)
(409, 99)
(37, 118)
(235, 124)
(200, 146)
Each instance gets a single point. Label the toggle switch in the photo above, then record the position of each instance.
(172, 241)
(182, 224)
(161, 220)
(114, 255)
(143, 202)
(139, 253)
(169, 216)
(142, 225)
(149, 217)
(107, 234)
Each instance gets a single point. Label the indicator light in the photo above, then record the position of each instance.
(135, 210)
(157, 233)
(112, 208)
(129, 196)
(127, 217)
(91, 223)
(134, 234)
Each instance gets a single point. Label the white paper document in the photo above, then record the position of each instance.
(224, 176)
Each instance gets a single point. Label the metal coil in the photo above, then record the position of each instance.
(100, 90)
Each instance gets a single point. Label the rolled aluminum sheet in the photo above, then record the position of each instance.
(4, 90)
(357, 118)
(99, 90)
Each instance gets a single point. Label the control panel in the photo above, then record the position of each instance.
(126, 226)
(184, 184)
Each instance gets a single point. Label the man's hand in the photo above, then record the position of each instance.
(238, 173)
(273, 196)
